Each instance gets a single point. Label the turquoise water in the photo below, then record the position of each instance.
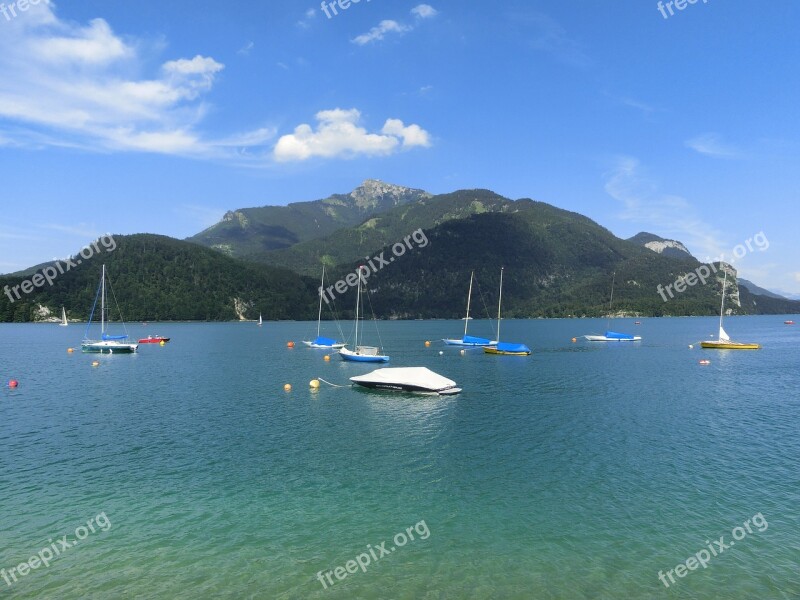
(578, 472)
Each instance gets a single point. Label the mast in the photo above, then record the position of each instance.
(321, 287)
(722, 304)
(499, 304)
(469, 297)
(103, 303)
(358, 298)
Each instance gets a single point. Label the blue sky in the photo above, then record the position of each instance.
(158, 117)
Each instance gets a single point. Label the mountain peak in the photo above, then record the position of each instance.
(671, 248)
(374, 192)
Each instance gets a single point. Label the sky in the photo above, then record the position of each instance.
(125, 117)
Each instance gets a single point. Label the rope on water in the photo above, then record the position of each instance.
(332, 384)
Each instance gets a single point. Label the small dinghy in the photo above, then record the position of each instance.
(407, 379)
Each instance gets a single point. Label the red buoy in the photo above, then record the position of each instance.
(12, 383)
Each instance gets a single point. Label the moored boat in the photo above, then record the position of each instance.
(723, 341)
(407, 379)
(107, 344)
(154, 339)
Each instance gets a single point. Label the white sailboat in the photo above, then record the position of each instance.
(361, 353)
(469, 340)
(260, 321)
(320, 341)
(723, 341)
(508, 348)
(107, 344)
(613, 336)
(63, 317)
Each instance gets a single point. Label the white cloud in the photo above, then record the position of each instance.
(378, 32)
(549, 36)
(68, 85)
(667, 215)
(424, 11)
(338, 135)
(305, 22)
(711, 144)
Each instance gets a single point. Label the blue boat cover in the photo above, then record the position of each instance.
(469, 339)
(509, 347)
(323, 341)
(618, 336)
(114, 337)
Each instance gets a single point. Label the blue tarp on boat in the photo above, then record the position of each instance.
(618, 336)
(323, 341)
(114, 337)
(478, 341)
(509, 347)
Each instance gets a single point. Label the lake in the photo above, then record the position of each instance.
(581, 471)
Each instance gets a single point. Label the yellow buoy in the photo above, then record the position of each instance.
(162, 343)
(326, 357)
(95, 363)
(70, 350)
(427, 343)
(287, 387)
(314, 383)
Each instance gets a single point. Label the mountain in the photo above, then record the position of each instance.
(252, 232)
(159, 278)
(557, 263)
(754, 289)
(660, 245)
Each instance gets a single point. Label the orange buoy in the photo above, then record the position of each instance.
(326, 358)
(70, 350)
(427, 343)
(287, 387)
(290, 344)
(574, 339)
(95, 363)
(12, 383)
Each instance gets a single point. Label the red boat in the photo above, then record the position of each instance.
(789, 322)
(153, 339)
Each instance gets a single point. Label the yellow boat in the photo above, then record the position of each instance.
(729, 345)
(723, 342)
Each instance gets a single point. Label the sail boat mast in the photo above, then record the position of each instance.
(499, 304)
(469, 298)
(321, 287)
(722, 304)
(358, 299)
(103, 303)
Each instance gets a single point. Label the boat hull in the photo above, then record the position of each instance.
(470, 344)
(602, 338)
(714, 345)
(494, 350)
(351, 356)
(154, 340)
(108, 348)
(323, 346)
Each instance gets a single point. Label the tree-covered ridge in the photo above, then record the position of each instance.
(159, 278)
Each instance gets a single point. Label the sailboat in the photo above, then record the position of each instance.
(107, 344)
(63, 317)
(505, 347)
(613, 336)
(724, 342)
(320, 341)
(361, 353)
(260, 321)
(469, 340)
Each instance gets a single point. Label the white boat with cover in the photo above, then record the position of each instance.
(419, 380)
